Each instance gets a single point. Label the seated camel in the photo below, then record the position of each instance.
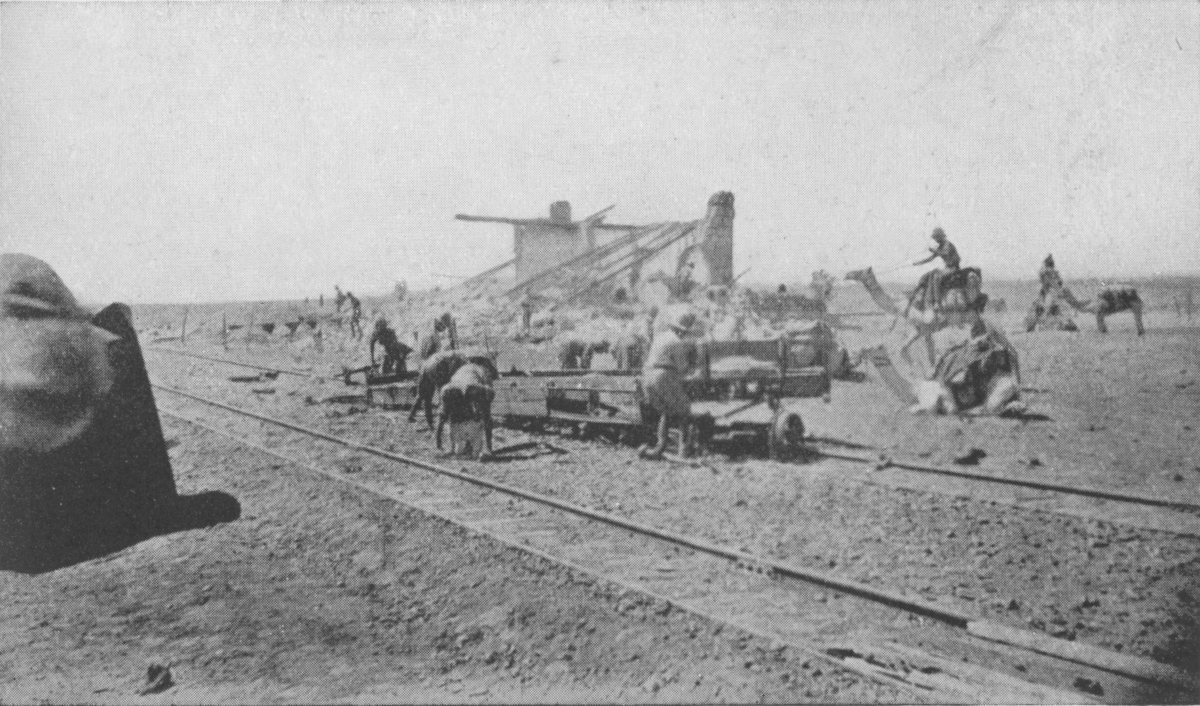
(980, 376)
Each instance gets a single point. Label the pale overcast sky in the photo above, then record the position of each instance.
(174, 152)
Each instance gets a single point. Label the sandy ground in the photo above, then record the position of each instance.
(312, 595)
(318, 594)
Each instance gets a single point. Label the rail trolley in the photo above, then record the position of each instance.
(747, 394)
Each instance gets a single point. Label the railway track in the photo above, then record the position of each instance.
(230, 361)
(937, 653)
(1112, 505)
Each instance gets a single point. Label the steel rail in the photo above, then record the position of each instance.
(889, 462)
(230, 361)
(918, 691)
(1126, 665)
(880, 461)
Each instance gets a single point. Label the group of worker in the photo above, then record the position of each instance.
(439, 334)
(672, 351)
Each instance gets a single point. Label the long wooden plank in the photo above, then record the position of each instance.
(585, 256)
(1129, 665)
(878, 358)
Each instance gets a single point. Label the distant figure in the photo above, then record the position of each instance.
(663, 380)
(340, 298)
(1050, 280)
(356, 331)
(430, 342)
(782, 289)
(628, 349)
(576, 354)
(395, 353)
(1047, 311)
(450, 326)
(685, 283)
(321, 300)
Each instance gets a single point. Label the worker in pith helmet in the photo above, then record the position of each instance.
(945, 250)
(671, 354)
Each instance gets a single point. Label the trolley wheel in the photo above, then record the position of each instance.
(785, 438)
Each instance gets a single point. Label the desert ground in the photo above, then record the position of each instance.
(319, 593)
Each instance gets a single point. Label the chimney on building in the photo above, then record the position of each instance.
(717, 242)
(560, 213)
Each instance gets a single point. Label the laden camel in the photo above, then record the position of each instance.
(1109, 301)
(955, 307)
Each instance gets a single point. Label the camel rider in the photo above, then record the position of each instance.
(949, 254)
(394, 352)
(1049, 277)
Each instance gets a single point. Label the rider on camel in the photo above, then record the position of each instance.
(1049, 277)
(949, 254)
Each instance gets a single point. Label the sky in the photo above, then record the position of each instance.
(220, 151)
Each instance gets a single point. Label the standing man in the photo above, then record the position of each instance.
(685, 284)
(339, 298)
(355, 315)
(430, 342)
(451, 329)
(663, 380)
(395, 353)
(526, 312)
(932, 281)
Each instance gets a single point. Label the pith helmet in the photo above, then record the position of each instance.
(682, 322)
(938, 234)
(55, 367)
(29, 286)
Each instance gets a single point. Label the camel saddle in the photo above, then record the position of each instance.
(935, 284)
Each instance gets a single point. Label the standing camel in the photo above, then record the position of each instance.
(954, 308)
(1109, 301)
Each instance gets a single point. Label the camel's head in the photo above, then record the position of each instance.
(860, 275)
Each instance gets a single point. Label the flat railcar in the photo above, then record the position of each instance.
(748, 393)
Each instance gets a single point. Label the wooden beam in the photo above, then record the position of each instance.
(685, 229)
(511, 221)
(598, 214)
(488, 272)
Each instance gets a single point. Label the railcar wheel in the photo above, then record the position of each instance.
(785, 438)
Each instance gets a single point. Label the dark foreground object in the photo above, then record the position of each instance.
(107, 490)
